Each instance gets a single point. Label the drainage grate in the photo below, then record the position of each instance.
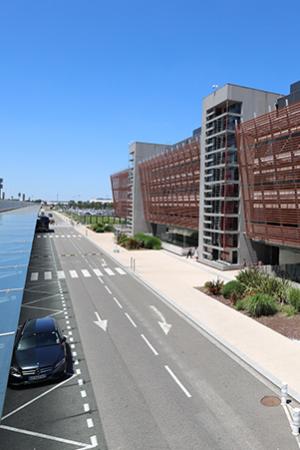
(270, 400)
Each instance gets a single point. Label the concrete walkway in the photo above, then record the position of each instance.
(173, 277)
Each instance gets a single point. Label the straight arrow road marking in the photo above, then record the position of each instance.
(100, 323)
(166, 327)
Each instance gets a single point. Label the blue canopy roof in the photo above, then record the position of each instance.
(16, 237)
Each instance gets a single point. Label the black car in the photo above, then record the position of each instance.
(40, 352)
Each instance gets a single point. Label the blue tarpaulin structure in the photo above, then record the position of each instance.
(16, 237)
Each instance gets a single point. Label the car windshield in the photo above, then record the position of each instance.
(38, 340)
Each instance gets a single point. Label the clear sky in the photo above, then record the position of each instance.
(81, 79)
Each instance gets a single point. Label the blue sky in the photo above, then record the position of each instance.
(79, 80)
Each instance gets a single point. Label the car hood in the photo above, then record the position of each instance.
(45, 356)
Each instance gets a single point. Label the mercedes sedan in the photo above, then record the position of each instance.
(40, 352)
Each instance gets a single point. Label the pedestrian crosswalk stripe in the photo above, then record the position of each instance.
(120, 271)
(38, 236)
(61, 274)
(48, 275)
(108, 271)
(73, 274)
(68, 236)
(85, 273)
(74, 235)
(34, 276)
(57, 235)
(97, 272)
(50, 236)
(45, 235)
(62, 235)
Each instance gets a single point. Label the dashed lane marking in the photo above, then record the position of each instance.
(131, 320)
(73, 273)
(61, 274)
(85, 273)
(177, 381)
(34, 276)
(108, 271)
(98, 272)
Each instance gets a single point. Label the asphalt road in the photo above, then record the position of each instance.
(158, 387)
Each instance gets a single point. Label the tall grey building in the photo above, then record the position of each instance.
(222, 241)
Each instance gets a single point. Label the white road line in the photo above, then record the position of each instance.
(62, 235)
(120, 271)
(76, 362)
(108, 271)
(42, 435)
(74, 235)
(83, 394)
(86, 407)
(78, 371)
(108, 290)
(73, 273)
(94, 441)
(37, 398)
(38, 236)
(80, 381)
(90, 423)
(34, 276)
(57, 235)
(71, 339)
(101, 280)
(130, 320)
(98, 272)
(118, 303)
(177, 381)
(73, 346)
(74, 354)
(85, 273)
(68, 236)
(45, 236)
(50, 236)
(61, 275)
(149, 345)
(48, 275)
(70, 333)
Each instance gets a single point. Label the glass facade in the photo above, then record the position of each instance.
(16, 236)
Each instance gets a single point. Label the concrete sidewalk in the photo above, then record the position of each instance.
(271, 354)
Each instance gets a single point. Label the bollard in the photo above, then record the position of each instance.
(296, 421)
(133, 264)
(284, 393)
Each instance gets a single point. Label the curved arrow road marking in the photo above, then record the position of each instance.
(166, 327)
(101, 323)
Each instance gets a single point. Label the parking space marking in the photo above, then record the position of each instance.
(34, 276)
(42, 435)
(48, 275)
(38, 397)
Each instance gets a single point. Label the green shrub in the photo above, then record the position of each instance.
(146, 241)
(261, 305)
(249, 277)
(233, 290)
(294, 298)
(256, 281)
(214, 287)
(131, 243)
(108, 228)
(121, 238)
(288, 310)
(241, 305)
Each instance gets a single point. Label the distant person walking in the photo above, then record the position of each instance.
(189, 253)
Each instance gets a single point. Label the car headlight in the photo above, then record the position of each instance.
(15, 371)
(60, 363)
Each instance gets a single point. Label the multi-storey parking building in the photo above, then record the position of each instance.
(189, 193)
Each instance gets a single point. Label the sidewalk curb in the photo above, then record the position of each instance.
(202, 327)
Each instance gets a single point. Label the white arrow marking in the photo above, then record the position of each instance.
(101, 323)
(166, 327)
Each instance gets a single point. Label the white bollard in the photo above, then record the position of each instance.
(284, 393)
(296, 421)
